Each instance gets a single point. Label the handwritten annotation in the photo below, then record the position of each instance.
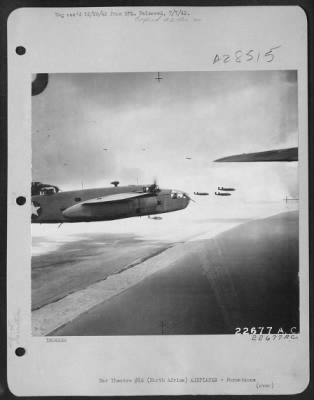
(242, 56)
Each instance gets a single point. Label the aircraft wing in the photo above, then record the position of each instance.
(290, 154)
(114, 198)
(39, 84)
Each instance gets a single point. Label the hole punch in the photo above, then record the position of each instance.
(21, 200)
(20, 50)
(20, 351)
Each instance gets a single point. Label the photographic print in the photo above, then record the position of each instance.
(157, 201)
(165, 203)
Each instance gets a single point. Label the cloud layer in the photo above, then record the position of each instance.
(92, 128)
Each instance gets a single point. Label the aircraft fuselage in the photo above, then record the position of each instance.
(69, 206)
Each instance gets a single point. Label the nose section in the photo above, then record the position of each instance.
(186, 200)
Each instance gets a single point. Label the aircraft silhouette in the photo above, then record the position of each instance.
(50, 205)
(222, 194)
(201, 193)
(226, 189)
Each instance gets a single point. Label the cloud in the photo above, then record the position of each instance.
(94, 127)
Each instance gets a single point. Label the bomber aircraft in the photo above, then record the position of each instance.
(226, 189)
(50, 205)
(222, 194)
(201, 193)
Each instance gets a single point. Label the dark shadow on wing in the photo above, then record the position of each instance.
(39, 84)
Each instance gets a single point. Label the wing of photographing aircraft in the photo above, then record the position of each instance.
(290, 154)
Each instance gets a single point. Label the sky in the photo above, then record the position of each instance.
(91, 129)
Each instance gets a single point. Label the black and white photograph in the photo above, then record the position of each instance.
(158, 201)
(164, 203)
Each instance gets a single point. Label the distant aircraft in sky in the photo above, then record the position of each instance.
(201, 193)
(50, 205)
(188, 158)
(226, 189)
(222, 194)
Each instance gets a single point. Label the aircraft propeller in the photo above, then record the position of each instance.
(154, 188)
(190, 198)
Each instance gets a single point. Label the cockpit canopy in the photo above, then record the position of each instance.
(154, 188)
(43, 189)
(176, 194)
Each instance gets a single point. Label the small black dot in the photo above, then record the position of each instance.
(20, 351)
(20, 200)
(20, 50)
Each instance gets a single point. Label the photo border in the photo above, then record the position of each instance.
(5, 11)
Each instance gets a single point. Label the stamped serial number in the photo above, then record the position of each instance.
(260, 330)
(247, 56)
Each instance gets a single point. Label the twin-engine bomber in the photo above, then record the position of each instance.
(50, 205)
